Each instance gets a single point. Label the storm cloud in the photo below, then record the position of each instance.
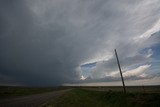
(45, 43)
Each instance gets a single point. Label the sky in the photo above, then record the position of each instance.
(72, 42)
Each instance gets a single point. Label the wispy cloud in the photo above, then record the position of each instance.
(137, 71)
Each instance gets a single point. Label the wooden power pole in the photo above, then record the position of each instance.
(120, 71)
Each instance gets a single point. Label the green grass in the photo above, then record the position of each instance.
(90, 98)
(148, 96)
(140, 89)
(13, 91)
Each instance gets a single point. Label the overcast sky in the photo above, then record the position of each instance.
(72, 42)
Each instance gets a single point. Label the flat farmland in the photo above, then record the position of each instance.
(136, 96)
(95, 96)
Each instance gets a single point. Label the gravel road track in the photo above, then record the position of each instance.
(31, 100)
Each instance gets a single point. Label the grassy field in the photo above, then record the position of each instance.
(13, 91)
(136, 96)
(141, 89)
(108, 97)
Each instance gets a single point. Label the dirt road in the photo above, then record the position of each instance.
(31, 100)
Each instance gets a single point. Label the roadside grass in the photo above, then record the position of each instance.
(90, 98)
(13, 91)
(140, 89)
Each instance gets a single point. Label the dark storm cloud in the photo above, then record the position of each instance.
(36, 49)
(29, 54)
(45, 42)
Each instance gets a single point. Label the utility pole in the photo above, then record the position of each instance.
(120, 71)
